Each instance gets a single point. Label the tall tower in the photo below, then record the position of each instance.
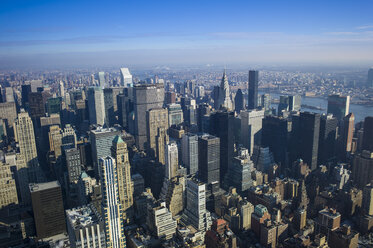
(209, 158)
(338, 106)
(224, 97)
(61, 89)
(309, 138)
(370, 78)
(146, 97)
(109, 107)
(24, 135)
(189, 148)
(101, 79)
(111, 204)
(368, 133)
(125, 77)
(96, 106)
(157, 137)
(347, 134)
(251, 128)
(171, 160)
(239, 101)
(253, 89)
(120, 153)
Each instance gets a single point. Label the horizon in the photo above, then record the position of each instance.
(44, 34)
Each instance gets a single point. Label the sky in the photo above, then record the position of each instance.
(126, 32)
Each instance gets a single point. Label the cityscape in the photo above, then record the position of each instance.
(115, 148)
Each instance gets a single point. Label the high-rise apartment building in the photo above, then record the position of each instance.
(120, 153)
(251, 128)
(189, 151)
(111, 206)
(338, 106)
(96, 106)
(209, 158)
(157, 137)
(47, 205)
(146, 97)
(253, 89)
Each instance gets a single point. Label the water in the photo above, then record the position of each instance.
(360, 111)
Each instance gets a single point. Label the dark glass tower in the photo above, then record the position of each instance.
(327, 139)
(368, 134)
(209, 158)
(253, 89)
(238, 101)
(309, 138)
(222, 126)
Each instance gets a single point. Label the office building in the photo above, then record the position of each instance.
(295, 103)
(367, 205)
(157, 136)
(175, 114)
(327, 138)
(85, 227)
(101, 79)
(25, 91)
(258, 217)
(160, 221)
(8, 190)
(224, 99)
(239, 103)
(101, 142)
(309, 138)
(125, 77)
(251, 128)
(368, 134)
(240, 171)
(96, 106)
(189, 151)
(171, 160)
(222, 126)
(338, 106)
(109, 107)
(265, 102)
(220, 235)
(328, 220)
(253, 90)
(362, 169)
(8, 94)
(146, 97)
(125, 187)
(209, 158)
(24, 135)
(195, 212)
(8, 112)
(47, 205)
(347, 134)
(113, 218)
(172, 194)
(73, 165)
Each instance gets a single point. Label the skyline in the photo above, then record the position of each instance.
(66, 33)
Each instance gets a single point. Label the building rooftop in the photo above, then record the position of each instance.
(82, 217)
(34, 187)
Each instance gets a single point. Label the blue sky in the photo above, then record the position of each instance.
(185, 32)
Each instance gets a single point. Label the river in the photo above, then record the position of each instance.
(360, 111)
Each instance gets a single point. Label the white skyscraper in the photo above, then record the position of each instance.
(111, 206)
(172, 159)
(96, 106)
(189, 150)
(195, 213)
(125, 77)
(224, 96)
(251, 128)
(101, 79)
(61, 89)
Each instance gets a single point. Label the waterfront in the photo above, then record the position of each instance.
(360, 111)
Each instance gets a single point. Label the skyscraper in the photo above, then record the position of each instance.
(240, 171)
(189, 150)
(101, 79)
(146, 97)
(195, 213)
(239, 101)
(251, 128)
(327, 139)
(47, 205)
(209, 158)
(111, 206)
(368, 134)
(120, 153)
(347, 133)
(338, 106)
(253, 89)
(96, 106)
(8, 190)
(295, 103)
(157, 137)
(309, 138)
(24, 135)
(222, 126)
(101, 142)
(370, 78)
(109, 107)
(125, 77)
(224, 96)
(172, 160)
